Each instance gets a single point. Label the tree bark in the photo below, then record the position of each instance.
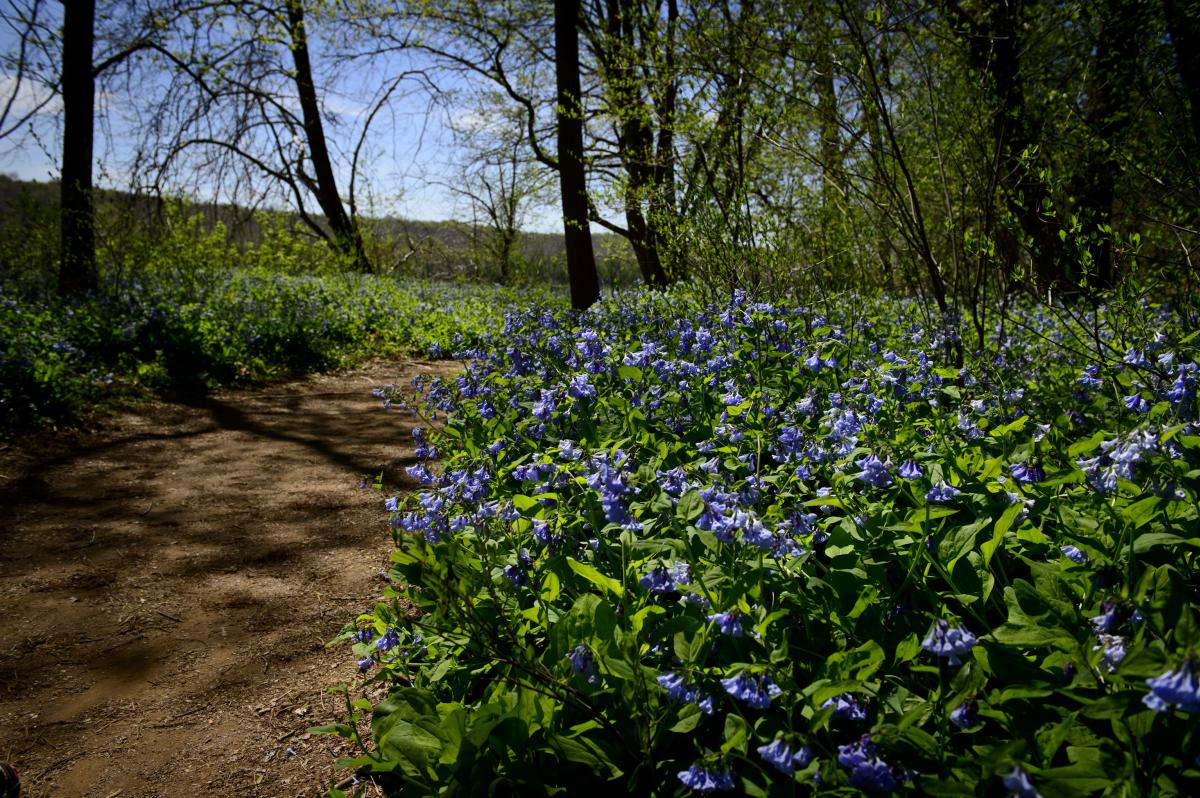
(1110, 85)
(635, 138)
(1183, 24)
(581, 259)
(347, 236)
(662, 201)
(994, 48)
(77, 265)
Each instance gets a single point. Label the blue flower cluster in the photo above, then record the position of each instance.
(705, 516)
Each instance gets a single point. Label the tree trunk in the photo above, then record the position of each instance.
(346, 234)
(77, 266)
(1110, 85)
(637, 144)
(1183, 23)
(581, 259)
(994, 47)
(662, 200)
(828, 119)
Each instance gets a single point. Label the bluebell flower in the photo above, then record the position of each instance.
(389, 640)
(1113, 614)
(755, 693)
(968, 427)
(703, 780)
(1089, 378)
(966, 714)
(679, 690)
(1018, 782)
(421, 474)
(1027, 474)
(589, 344)
(363, 636)
(910, 470)
(665, 580)
(730, 623)
(1136, 357)
(1075, 554)
(942, 492)
(580, 388)
(867, 770)
(1179, 688)
(582, 662)
(1137, 403)
(846, 707)
(365, 664)
(783, 758)
(527, 472)
(516, 575)
(874, 472)
(947, 641)
(544, 407)
(731, 397)
(1113, 651)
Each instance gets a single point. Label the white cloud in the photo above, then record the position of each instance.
(28, 96)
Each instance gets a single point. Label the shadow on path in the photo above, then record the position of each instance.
(163, 577)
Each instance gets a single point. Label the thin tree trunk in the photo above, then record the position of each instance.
(77, 266)
(994, 43)
(581, 259)
(1183, 23)
(1106, 110)
(345, 231)
(662, 200)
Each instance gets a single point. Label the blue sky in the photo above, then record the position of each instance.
(413, 158)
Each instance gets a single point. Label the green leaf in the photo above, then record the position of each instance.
(407, 730)
(596, 578)
(629, 372)
(737, 732)
(961, 540)
(583, 751)
(690, 506)
(1086, 445)
(688, 645)
(689, 718)
(1003, 524)
(551, 586)
(1035, 620)
(1051, 737)
(908, 648)
(339, 729)
(1139, 513)
(524, 503)
(1150, 540)
(1012, 426)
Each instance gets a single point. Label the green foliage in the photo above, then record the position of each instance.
(198, 327)
(670, 540)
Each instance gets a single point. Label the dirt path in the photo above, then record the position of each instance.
(168, 583)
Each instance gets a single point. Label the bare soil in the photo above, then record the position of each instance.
(169, 581)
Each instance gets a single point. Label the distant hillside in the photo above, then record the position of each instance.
(447, 249)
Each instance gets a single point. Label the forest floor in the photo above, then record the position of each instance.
(169, 580)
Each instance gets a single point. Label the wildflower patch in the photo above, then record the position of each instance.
(775, 550)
